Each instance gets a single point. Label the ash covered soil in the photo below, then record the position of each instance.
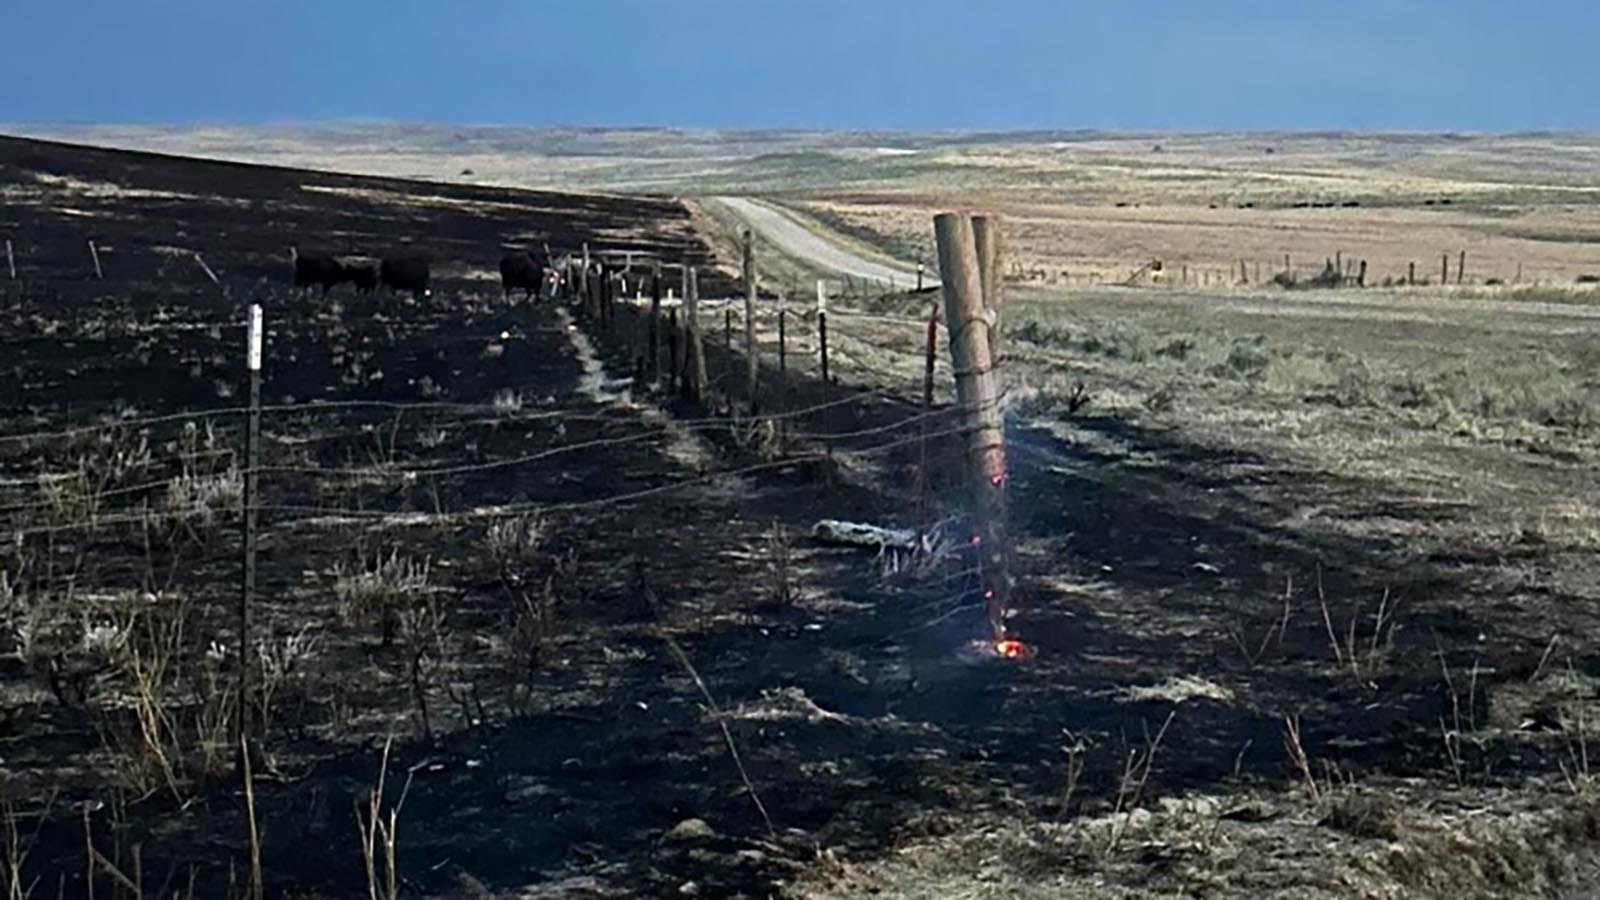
(480, 539)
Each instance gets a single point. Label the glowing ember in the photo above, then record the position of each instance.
(1011, 648)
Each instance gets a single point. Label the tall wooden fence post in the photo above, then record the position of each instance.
(1411, 273)
(822, 330)
(1361, 275)
(961, 276)
(1444, 270)
(697, 355)
(986, 235)
(94, 253)
(1461, 269)
(11, 261)
(751, 350)
(252, 450)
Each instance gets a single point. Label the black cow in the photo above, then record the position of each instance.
(315, 269)
(519, 271)
(363, 274)
(405, 273)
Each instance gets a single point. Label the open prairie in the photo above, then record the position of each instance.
(1083, 206)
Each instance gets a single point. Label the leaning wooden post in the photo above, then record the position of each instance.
(751, 351)
(822, 329)
(11, 261)
(697, 355)
(986, 234)
(252, 449)
(655, 326)
(94, 253)
(1461, 269)
(1444, 270)
(962, 282)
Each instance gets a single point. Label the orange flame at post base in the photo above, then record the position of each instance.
(1011, 648)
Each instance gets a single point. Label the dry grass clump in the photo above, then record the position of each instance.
(378, 590)
(516, 541)
(198, 500)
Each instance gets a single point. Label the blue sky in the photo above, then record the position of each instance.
(1468, 65)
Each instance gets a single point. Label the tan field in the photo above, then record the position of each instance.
(1083, 207)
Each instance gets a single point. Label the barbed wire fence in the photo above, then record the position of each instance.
(868, 398)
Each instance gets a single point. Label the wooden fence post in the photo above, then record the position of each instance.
(11, 261)
(655, 325)
(1444, 270)
(697, 354)
(986, 235)
(1286, 264)
(672, 352)
(608, 300)
(727, 328)
(783, 342)
(252, 450)
(751, 350)
(1461, 269)
(94, 253)
(920, 269)
(960, 274)
(822, 330)
(583, 281)
(1411, 273)
(1361, 275)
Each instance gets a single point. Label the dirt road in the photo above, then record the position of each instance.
(795, 240)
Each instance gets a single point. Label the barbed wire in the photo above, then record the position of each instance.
(662, 431)
(309, 514)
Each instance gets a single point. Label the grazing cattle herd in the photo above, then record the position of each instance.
(411, 274)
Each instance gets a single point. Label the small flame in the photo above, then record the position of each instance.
(1011, 648)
